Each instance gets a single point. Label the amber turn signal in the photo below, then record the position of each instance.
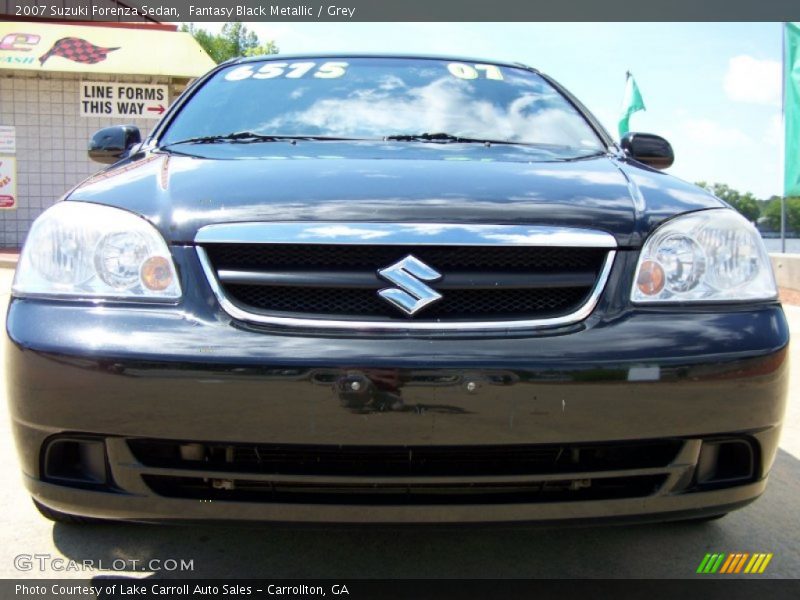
(651, 278)
(156, 273)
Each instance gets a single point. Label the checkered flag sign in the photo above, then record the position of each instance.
(77, 50)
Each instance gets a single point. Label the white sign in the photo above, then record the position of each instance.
(8, 139)
(123, 100)
(8, 183)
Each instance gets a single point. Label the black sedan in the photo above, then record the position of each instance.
(391, 289)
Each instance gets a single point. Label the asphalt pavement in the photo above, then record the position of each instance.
(669, 550)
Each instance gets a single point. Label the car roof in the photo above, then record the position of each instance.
(452, 58)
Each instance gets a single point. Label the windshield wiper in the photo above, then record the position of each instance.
(448, 138)
(442, 137)
(248, 137)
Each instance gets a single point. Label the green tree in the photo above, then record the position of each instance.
(747, 204)
(773, 214)
(234, 40)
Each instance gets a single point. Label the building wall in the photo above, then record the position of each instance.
(52, 139)
(787, 270)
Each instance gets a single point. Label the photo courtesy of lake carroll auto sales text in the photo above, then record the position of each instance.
(389, 301)
(161, 590)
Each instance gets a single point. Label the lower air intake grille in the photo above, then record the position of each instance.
(242, 490)
(321, 474)
(390, 461)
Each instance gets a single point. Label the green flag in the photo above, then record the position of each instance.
(631, 103)
(791, 110)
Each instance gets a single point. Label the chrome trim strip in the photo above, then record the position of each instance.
(669, 470)
(402, 234)
(454, 326)
(367, 280)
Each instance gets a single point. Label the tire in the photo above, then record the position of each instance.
(60, 517)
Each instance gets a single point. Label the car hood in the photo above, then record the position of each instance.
(333, 181)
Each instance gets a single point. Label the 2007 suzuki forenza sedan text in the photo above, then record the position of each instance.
(391, 289)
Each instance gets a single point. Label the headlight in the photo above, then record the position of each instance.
(713, 256)
(78, 249)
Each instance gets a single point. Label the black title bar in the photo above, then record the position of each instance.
(126, 588)
(404, 10)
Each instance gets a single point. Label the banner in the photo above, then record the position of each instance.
(94, 49)
(791, 110)
(631, 102)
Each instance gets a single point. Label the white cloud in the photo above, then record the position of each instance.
(711, 133)
(752, 80)
(773, 134)
(443, 104)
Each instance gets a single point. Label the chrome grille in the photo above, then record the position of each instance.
(459, 304)
(451, 258)
(494, 277)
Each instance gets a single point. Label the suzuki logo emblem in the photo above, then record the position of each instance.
(411, 294)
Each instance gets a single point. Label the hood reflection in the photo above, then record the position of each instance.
(377, 390)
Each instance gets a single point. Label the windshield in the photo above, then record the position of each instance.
(380, 98)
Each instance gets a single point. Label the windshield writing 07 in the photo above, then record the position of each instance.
(371, 98)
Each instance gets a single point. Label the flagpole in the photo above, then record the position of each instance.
(783, 125)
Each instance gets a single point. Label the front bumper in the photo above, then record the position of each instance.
(157, 373)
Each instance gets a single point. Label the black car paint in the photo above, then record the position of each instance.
(393, 182)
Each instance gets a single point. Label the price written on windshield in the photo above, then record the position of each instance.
(297, 70)
(465, 71)
(336, 69)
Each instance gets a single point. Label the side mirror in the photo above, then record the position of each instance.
(110, 144)
(652, 150)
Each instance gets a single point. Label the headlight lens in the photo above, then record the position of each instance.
(712, 255)
(78, 249)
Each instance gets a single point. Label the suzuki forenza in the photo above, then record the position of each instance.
(391, 289)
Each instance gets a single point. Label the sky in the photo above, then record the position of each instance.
(712, 89)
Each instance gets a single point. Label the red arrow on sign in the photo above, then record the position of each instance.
(159, 109)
